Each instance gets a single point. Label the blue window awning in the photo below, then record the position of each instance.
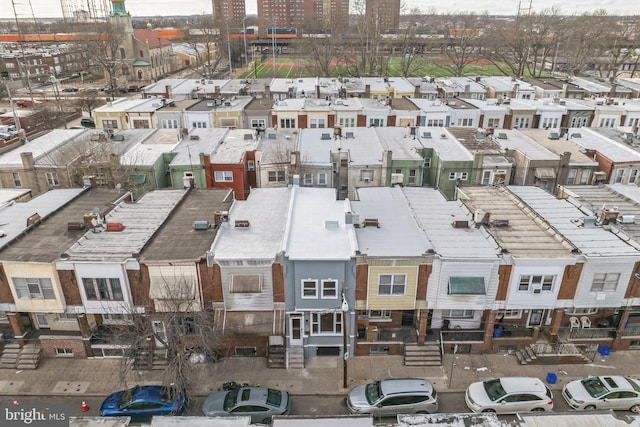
(466, 286)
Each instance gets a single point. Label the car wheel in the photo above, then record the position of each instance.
(422, 412)
(489, 411)
(266, 420)
(590, 407)
(635, 409)
(537, 410)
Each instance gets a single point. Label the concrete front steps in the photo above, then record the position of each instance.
(427, 354)
(16, 356)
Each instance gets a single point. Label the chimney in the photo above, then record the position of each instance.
(167, 91)
(317, 91)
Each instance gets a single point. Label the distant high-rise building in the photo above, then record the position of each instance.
(232, 12)
(304, 15)
(384, 13)
(85, 10)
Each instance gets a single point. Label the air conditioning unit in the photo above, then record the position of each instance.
(201, 225)
(366, 179)
(397, 178)
(194, 137)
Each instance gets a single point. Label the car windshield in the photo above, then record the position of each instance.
(168, 394)
(230, 399)
(494, 389)
(274, 397)
(633, 383)
(127, 397)
(373, 392)
(594, 386)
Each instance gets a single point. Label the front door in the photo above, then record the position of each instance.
(535, 318)
(159, 333)
(295, 328)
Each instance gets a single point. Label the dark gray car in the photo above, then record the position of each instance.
(260, 403)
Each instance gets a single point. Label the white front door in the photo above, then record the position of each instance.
(296, 329)
(159, 332)
(535, 318)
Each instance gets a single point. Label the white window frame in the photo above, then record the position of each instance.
(316, 323)
(605, 282)
(327, 291)
(392, 284)
(66, 317)
(199, 125)
(307, 179)
(223, 176)
(379, 315)
(169, 123)
(536, 283)
(52, 179)
(456, 313)
(258, 123)
(575, 311)
(585, 177)
(112, 290)
(509, 314)
(462, 176)
(276, 176)
(256, 290)
(25, 288)
(307, 285)
(322, 179)
(17, 182)
(571, 177)
(288, 123)
(251, 165)
(413, 174)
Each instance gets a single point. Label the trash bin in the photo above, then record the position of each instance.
(604, 350)
(497, 332)
(551, 377)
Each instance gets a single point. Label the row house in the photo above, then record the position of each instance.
(38, 297)
(507, 87)
(277, 161)
(115, 114)
(618, 204)
(459, 87)
(39, 63)
(601, 88)
(320, 276)
(606, 289)
(633, 84)
(581, 166)
(232, 163)
(424, 88)
(247, 266)
(490, 165)
(618, 161)
(393, 262)
(551, 87)
(433, 113)
(347, 159)
(533, 163)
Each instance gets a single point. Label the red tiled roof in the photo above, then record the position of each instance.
(151, 37)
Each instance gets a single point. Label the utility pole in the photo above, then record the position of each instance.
(273, 46)
(229, 49)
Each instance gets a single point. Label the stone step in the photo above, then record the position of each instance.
(423, 363)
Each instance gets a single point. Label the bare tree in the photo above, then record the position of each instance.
(107, 53)
(204, 34)
(370, 60)
(410, 44)
(583, 41)
(462, 35)
(176, 326)
(89, 102)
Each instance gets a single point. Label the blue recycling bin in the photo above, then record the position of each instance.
(552, 377)
(604, 350)
(497, 332)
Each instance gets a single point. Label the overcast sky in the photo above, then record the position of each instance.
(51, 8)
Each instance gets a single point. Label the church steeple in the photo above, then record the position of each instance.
(117, 8)
(120, 18)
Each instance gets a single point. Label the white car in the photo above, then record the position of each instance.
(509, 395)
(604, 392)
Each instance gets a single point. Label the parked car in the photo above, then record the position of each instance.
(70, 89)
(509, 395)
(143, 402)
(87, 122)
(260, 403)
(24, 103)
(393, 396)
(603, 392)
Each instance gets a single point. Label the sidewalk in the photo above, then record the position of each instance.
(321, 376)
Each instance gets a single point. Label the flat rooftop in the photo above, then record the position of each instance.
(47, 240)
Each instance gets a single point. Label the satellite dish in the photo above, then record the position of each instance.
(96, 210)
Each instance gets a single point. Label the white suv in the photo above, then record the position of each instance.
(394, 396)
(509, 395)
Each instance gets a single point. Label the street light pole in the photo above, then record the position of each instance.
(345, 354)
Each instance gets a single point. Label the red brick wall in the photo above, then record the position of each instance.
(76, 344)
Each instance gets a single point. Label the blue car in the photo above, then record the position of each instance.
(143, 402)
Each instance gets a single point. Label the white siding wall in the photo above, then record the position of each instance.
(585, 298)
(527, 299)
(438, 297)
(248, 302)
